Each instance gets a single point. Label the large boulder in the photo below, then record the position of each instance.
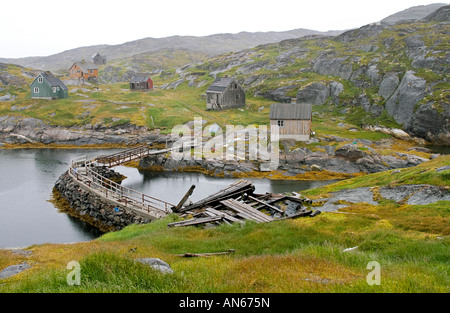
(430, 123)
(315, 93)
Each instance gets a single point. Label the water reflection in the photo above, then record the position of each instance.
(172, 186)
(27, 177)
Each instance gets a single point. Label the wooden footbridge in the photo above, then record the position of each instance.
(83, 172)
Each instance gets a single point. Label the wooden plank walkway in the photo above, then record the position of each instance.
(129, 155)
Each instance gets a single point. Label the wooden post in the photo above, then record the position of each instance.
(186, 196)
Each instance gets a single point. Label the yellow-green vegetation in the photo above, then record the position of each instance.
(424, 173)
(115, 105)
(411, 244)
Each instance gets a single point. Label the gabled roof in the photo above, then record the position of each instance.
(85, 66)
(53, 81)
(220, 85)
(139, 78)
(290, 111)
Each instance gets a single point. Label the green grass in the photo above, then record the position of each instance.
(288, 256)
(410, 242)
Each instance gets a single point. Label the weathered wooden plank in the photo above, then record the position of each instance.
(196, 221)
(190, 255)
(246, 210)
(266, 204)
(186, 196)
(232, 191)
(301, 214)
(225, 215)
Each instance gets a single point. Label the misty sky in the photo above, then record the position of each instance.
(45, 27)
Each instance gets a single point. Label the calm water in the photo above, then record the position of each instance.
(27, 177)
(439, 149)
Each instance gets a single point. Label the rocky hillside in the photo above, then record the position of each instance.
(206, 45)
(391, 75)
(414, 13)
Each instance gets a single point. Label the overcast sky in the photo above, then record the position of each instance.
(45, 27)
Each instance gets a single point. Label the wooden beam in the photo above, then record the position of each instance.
(186, 196)
(225, 215)
(196, 221)
(246, 211)
(266, 204)
(301, 214)
(190, 255)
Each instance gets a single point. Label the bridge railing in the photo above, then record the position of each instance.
(83, 171)
(124, 156)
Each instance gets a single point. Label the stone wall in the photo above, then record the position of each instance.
(92, 208)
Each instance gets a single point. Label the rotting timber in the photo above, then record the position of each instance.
(238, 203)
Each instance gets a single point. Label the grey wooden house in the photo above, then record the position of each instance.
(47, 86)
(98, 59)
(294, 120)
(224, 93)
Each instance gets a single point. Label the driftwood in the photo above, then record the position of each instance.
(190, 255)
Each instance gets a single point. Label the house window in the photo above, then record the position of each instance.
(36, 90)
(57, 88)
(235, 86)
(54, 89)
(281, 123)
(238, 97)
(40, 80)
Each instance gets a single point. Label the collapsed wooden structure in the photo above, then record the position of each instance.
(238, 203)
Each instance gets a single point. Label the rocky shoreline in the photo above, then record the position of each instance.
(349, 159)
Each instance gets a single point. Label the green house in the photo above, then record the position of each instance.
(47, 86)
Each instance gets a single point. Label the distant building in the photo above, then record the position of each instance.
(98, 59)
(47, 86)
(294, 120)
(141, 82)
(83, 70)
(224, 93)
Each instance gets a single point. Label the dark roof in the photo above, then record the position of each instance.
(85, 66)
(290, 111)
(53, 81)
(139, 78)
(220, 85)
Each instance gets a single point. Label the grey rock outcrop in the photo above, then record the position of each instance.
(14, 270)
(315, 93)
(427, 122)
(388, 85)
(156, 264)
(409, 194)
(401, 105)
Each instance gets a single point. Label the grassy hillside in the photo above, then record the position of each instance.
(410, 242)
(114, 105)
